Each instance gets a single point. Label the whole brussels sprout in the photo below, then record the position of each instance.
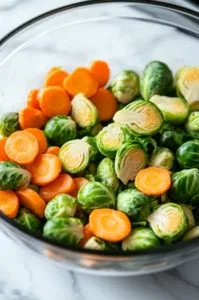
(9, 123)
(129, 160)
(140, 239)
(28, 220)
(59, 130)
(95, 154)
(13, 176)
(162, 158)
(126, 86)
(172, 139)
(135, 204)
(168, 221)
(106, 174)
(175, 110)
(190, 217)
(188, 155)
(148, 143)
(62, 205)
(66, 230)
(156, 79)
(95, 243)
(95, 195)
(140, 117)
(192, 124)
(75, 156)
(193, 233)
(96, 129)
(84, 112)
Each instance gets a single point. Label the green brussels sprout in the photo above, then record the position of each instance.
(135, 204)
(62, 205)
(106, 174)
(130, 159)
(95, 243)
(13, 176)
(96, 129)
(174, 110)
(162, 158)
(126, 86)
(148, 143)
(90, 177)
(188, 155)
(75, 156)
(84, 112)
(28, 220)
(168, 221)
(34, 187)
(95, 195)
(192, 124)
(140, 239)
(66, 230)
(140, 117)
(59, 130)
(190, 217)
(156, 79)
(193, 233)
(172, 139)
(9, 123)
(95, 154)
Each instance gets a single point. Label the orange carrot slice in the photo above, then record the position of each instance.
(87, 235)
(55, 78)
(9, 203)
(3, 155)
(53, 150)
(32, 100)
(100, 70)
(41, 139)
(79, 182)
(31, 118)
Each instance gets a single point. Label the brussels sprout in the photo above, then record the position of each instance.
(190, 217)
(172, 139)
(95, 243)
(175, 110)
(66, 230)
(28, 220)
(135, 204)
(106, 174)
(95, 154)
(192, 124)
(162, 158)
(187, 85)
(156, 79)
(148, 143)
(84, 112)
(95, 195)
(126, 86)
(90, 177)
(13, 176)
(9, 123)
(188, 155)
(130, 159)
(62, 205)
(75, 156)
(193, 233)
(59, 130)
(140, 239)
(168, 221)
(140, 117)
(96, 129)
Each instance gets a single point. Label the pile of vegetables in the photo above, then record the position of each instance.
(105, 168)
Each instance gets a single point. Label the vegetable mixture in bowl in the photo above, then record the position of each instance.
(105, 168)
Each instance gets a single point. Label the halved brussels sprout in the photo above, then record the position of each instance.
(106, 174)
(193, 233)
(168, 221)
(13, 176)
(9, 123)
(174, 138)
(188, 154)
(28, 220)
(140, 117)
(95, 195)
(59, 130)
(162, 158)
(140, 239)
(75, 156)
(95, 154)
(135, 204)
(84, 112)
(95, 243)
(130, 159)
(156, 79)
(62, 205)
(190, 217)
(66, 230)
(187, 85)
(192, 124)
(96, 129)
(175, 110)
(126, 86)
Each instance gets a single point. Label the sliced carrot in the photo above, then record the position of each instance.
(3, 155)
(87, 235)
(63, 184)
(106, 104)
(79, 182)
(81, 81)
(9, 203)
(153, 181)
(32, 100)
(44, 169)
(31, 118)
(31, 200)
(22, 147)
(109, 224)
(100, 70)
(55, 78)
(53, 150)
(53, 69)
(53, 101)
(41, 139)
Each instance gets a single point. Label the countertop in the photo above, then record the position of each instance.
(24, 276)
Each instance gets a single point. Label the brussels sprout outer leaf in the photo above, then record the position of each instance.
(28, 220)
(62, 205)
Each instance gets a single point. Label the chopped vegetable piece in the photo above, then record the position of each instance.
(9, 123)
(95, 243)
(87, 235)
(100, 70)
(3, 155)
(41, 139)
(53, 150)
(28, 220)
(55, 78)
(61, 206)
(9, 203)
(32, 100)
(79, 182)
(31, 118)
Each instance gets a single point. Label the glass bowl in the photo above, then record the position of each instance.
(127, 34)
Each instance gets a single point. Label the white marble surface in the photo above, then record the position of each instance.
(26, 277)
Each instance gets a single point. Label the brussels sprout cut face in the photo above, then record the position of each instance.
(192, 124)
(106, 174)
(188, 154)
(95, 243)
(140, 117)
(61, 206)
(162, 158)
(9, 123)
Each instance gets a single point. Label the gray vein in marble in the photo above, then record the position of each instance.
(76, 289)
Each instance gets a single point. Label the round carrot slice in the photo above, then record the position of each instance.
(53, 150)
(87, 235)
(9, 203)
(32, 100)
(22, 147)
(41, 139)
(100, 70)
(31, 118)
(3, 155)
(55, 78)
